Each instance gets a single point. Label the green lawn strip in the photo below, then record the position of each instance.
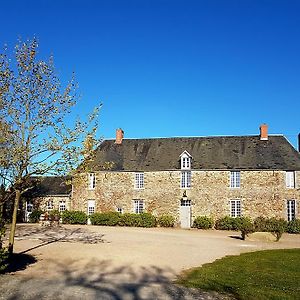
(271, 274)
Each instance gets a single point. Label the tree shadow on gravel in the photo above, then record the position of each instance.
(51, 234)
(100, 280)
(18, 262)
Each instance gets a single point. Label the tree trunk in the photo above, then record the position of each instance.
(13, 223)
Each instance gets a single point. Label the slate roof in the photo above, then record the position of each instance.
(209, 153)
(50, 186)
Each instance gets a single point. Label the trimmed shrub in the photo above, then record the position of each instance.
(228, 223)
(131, 220)
(147, 220)
(203, 222)
(246, 227)
(137, 220)
(261, 224)
(111, 218)
(277, 227)
(34, 217)
(166, 221)
(74, 217)
(293, 226)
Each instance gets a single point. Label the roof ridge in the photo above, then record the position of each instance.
(193, 137)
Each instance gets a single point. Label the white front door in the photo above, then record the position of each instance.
(28, 210)
(185, 213)
(90, 210)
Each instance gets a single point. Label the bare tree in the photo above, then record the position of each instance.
(34, 109)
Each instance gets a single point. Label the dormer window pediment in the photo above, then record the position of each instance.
(185, 160)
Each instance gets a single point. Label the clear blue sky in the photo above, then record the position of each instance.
(173, 68)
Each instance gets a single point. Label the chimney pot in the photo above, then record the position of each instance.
(263, 132)
(119, 136)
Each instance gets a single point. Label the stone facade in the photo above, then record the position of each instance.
(56, 199)
(262, 193)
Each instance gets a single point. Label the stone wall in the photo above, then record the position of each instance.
(262, 193)
(41, 202)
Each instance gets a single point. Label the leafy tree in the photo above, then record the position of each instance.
(34, 109)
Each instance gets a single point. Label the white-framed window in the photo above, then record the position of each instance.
(90, 207)
(120, 210)
(291, 209)
(290, 179)
(235, 208)
(138, 206)
(185, 161)
(62, 205)
(139, 181)
(185, 202)
(91, 181)
(186, 179)
(49, 205)
(235, 179)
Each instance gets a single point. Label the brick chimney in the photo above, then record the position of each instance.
(299, 142)
(263, 132)
(119, 136)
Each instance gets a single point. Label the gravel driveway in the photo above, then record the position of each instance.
(90, 262)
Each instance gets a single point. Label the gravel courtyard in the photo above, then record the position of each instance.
(90, 262)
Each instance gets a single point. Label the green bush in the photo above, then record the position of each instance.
(277, 227)
(261, 224)
(74, 217)
(111, 218)
(228, 223)
(137, 220)
(246, 227)
(128, 219)
(34, 217)
(147, 220)
(203, 222)
(293, 226)
(166, 221)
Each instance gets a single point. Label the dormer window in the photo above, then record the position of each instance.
(186, 161)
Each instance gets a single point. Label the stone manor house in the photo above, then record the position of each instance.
(188, 177)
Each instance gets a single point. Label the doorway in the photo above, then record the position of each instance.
(185, 213)
(28, 210)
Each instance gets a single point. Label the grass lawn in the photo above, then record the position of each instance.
(271, 274)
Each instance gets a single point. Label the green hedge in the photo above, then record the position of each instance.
(74, 217)
(131, 220)
(138, 220)
(293, 226)
(34, 217)
(148, 220)
(203, 222)
(276, 226)
(166, 221)
(228, 223)
(107, 218)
